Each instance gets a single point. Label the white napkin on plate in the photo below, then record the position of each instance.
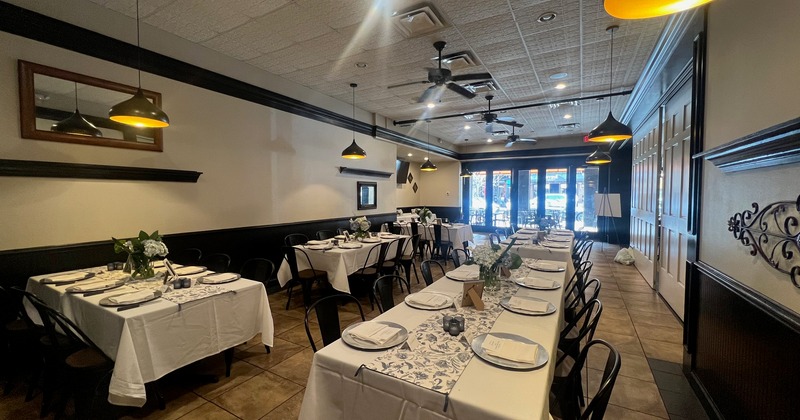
(315, 242)
(350, 245)
(520, 237)
(509, 349)
(64, 278)
(93, 285)
(374, 332)
(132, 297)
(537, 282)
(429, 300)
(219, 278)
(187, 270)
(528, 304)
(465, 272)
(543, 266)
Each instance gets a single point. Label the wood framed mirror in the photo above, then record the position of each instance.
(49, 95)
(367, 194)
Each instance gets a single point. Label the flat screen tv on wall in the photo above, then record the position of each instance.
(402, 171)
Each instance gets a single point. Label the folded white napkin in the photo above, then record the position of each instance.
(219, 278)
(537, 282)
(93, 285)
(371, 240)
(320, 247)
(189, 269)
(540, 265)
(509, 349)
(340, 237)
(374, 332)
(430, 300)
(350, 245)
(64, 278)
(520, 237)
(465, 272)
(555, 244)
(315, 242)
(528, 304)
(132, 297)
(557, 238)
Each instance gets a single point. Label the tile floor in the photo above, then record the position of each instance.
(270, 386)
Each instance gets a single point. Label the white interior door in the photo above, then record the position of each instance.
(644, 197)
(674, 218)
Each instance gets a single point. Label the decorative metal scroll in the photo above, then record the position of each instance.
(773, 233)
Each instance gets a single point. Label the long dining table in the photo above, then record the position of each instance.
(156, 337)
(339, 261)
(441, 378)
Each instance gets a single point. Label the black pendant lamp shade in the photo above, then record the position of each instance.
(76, 124)
(465, 173)
(354, 151)
(138, 111)
(598, 157)
(610, 130)
(428, 166)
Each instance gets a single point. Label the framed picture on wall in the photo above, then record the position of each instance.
(367, 195)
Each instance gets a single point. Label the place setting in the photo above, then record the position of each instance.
(509, 351)
(374, 335)
(545, 266)
(527, 305)
(464, 273)
(219, 278)
(429, 301)
(68, 278)
(130, 300)
(318, 245)
(555, 245)
(532, 281)
(100, 283)
(188, 270)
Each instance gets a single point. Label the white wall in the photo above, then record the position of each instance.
(260, 166)
(753, 83)
(442, 187)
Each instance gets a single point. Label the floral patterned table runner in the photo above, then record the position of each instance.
(181, 296)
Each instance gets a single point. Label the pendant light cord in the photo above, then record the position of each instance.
(353, 85)
(429, 139)
(76, 96)
(138, 47)
(611, 77)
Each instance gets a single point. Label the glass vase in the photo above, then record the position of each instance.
(139, 266)
(491, 280)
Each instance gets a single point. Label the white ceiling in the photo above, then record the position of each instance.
(317, 43)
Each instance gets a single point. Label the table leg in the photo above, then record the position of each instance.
(228, 361)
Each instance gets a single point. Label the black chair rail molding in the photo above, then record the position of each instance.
(773, 233)
(32, 168)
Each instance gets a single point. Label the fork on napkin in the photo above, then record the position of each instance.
(374, 332)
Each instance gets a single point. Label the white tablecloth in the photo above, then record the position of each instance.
(337, 262)
(481, 392)
(159, 337)
(407, 217)
(457, 234)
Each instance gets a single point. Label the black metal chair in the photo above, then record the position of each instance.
(19, 348)
(566, 395)
(293, 239)
(441, 242)
(582, 327)
(383, 290)
(573, 305)
(325, 234)
(407, 260)
(459, 257)
(305, 278)
(327, 311)
(188, 256)
(217, 262)
(427, 275)
(391, 263)
(340, 231)
(577, 281)
(494, 239)
(582, 254)
(361, 281)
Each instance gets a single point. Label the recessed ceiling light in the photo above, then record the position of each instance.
(567, 116)
(467, 127)
(488, 140)
(361, 65)
(410, 154)
(560, 86)
(431, 105)
(559, 76)
(546, 17)
(425, 158)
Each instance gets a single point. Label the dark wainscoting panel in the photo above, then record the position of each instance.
(743, 349)
(240, 243)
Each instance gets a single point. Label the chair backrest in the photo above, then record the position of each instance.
(582, 326)
(502, 233)
(188, 256)
(397, 229)
(12, 307)
(573, 304)
(414, 228)
(258, 269)
(437, 234)
(426, 270)
(217, 262)
(494, 239)
(399, 249)
(459, 256)
(465, 244)
(596, 409)
(327, 311)
(325, 234)
(340, 231)
(582, 254)
(377, 249)
(577, 280)
(293, 239)
(411, 244)
(383, 291)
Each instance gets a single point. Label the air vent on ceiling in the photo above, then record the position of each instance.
(569, 126)
(457, 61)
(481, 87)
(419, 20)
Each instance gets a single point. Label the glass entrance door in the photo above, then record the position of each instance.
(528, 197)
(587, 181)
(555, 197)
(501, 199)
(477, 198)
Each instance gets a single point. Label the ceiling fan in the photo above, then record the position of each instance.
(491, 119)
(513, 138)
(443, 78)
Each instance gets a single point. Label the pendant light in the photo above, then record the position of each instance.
(354, 151)
(465, 173)
(643, 9)
(610, 129)
(76, 124)
(138, 111)
(598, 157)
(428, 166)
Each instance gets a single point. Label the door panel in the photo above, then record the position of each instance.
(644, 197)
(674, 218)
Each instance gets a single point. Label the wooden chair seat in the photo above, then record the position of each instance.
(87, 358)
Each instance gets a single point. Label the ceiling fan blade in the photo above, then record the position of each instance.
(509, 144)
(419, 82)
(527, 140)
(511, 123)
(460, 90)
(472, 76)
(428, 95)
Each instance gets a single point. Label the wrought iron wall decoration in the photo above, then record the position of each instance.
(773, 233)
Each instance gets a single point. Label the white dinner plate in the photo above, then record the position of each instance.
(521, 282)
(324, 247)
(316, 242)
(371, 240)
(107, 302)
(189, 270)
(350, 245)
(477, 347)
(220, 278)
(559, 238)
(555, 245)
(409, 300)
(103, 285)
(459, 275)
(355, 343)
(340, 237)
(67, 278)
(550, 307)
(547, 267)
(521, 237)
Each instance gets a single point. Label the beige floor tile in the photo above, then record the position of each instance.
(615, 313)
(663, 350)
(656, 319)
(281, 351)
(297, 335)
(13, 406)
(633, 394)
(670, 335)
(655, 307)
(633, 365)
(611, 302)
(617, 326)
(623, 343)
(645, 297)
(290, 409)
(616, 412)
(295, 368)
(283, 322)
(209, 411)
(179, 402)
(240, 372)
(258, 396)
(606, 293)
